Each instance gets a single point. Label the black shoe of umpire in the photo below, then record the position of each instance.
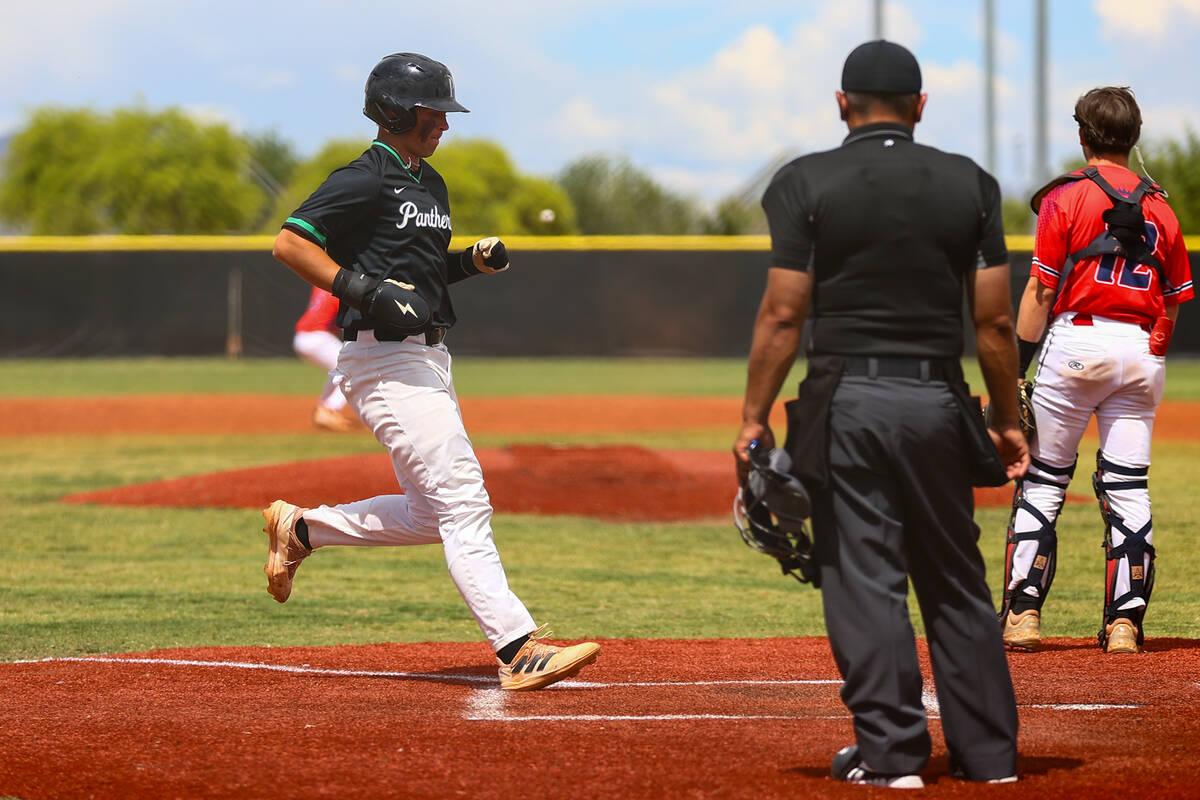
(848, 767)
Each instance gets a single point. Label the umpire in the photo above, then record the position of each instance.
(881, 237)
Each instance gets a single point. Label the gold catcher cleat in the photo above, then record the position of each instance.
(285, 551)
(1023, 631)
(1120, 636)
(537, 664)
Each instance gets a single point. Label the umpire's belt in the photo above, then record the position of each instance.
(922, 369)
(430, 336)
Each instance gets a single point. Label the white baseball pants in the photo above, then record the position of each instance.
(322, 348)
(1105, 368)
(404, 392)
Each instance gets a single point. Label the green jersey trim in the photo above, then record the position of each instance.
(299, 223)
(416, 178)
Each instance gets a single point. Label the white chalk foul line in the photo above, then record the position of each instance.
(490, 706)
(446, 678)
(1081, 706)
(303, 670)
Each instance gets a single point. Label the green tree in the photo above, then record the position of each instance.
(1175, 165)
(308, 175)
(541, 207)
(135, 171)
(611, 196)
(735, 216)
(41, 165)
(489, 197)
(273, 160)
(1019, 218)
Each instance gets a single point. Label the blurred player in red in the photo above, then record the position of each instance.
(317, 340)
(1109, 272)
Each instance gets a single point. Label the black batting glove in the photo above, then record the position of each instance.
(489, 255)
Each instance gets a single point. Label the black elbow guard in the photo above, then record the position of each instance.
(355, 289)
(387, 302)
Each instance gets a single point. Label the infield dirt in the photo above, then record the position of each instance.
(651, 719)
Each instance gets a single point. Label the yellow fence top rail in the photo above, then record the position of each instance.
(67, 244)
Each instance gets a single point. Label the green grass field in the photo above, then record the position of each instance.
(91, 579)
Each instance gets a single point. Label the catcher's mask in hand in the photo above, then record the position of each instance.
(769, 512)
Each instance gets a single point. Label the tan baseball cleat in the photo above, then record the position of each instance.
(285, 551)
(537, 664)
(1023, 631)
(1121, 636)
(341, 421)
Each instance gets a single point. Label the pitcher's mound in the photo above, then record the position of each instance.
(615, 482)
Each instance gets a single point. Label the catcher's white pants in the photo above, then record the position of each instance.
(322, 348)
(1104, 368)
(404, 392)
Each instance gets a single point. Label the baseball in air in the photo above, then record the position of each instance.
(547, 215)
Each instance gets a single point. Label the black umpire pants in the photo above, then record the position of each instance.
(900, 505)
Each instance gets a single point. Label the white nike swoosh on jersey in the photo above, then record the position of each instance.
(398, 191)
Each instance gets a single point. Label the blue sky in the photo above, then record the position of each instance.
(702, 95)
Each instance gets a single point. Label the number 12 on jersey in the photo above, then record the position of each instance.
(1132, 276)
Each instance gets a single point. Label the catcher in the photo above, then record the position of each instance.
(1110, 270)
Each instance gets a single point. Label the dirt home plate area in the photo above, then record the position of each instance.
(727, 718)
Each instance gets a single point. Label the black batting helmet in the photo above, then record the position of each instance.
(402, 81)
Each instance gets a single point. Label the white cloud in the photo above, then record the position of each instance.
(1149, 19)
(1169, 121)
(960, 77)
(64, 41)
(705, 183)
(211, 114)
(582, 121)
(762, 94)
(901, 25)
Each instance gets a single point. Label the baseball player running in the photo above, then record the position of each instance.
(377, 234)
(317, 340)
(1109, 272)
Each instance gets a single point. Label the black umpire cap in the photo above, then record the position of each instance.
(881, 67)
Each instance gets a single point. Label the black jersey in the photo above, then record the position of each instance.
(376, 217)
(889, 228)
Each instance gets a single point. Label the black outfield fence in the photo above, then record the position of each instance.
(566, 296)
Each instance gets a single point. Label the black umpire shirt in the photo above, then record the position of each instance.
(889, 228)
(376, 217)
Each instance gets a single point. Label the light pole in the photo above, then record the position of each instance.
(989, 87)
(1040, 151)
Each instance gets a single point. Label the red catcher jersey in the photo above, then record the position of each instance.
(1107, 286)
(322, 309)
